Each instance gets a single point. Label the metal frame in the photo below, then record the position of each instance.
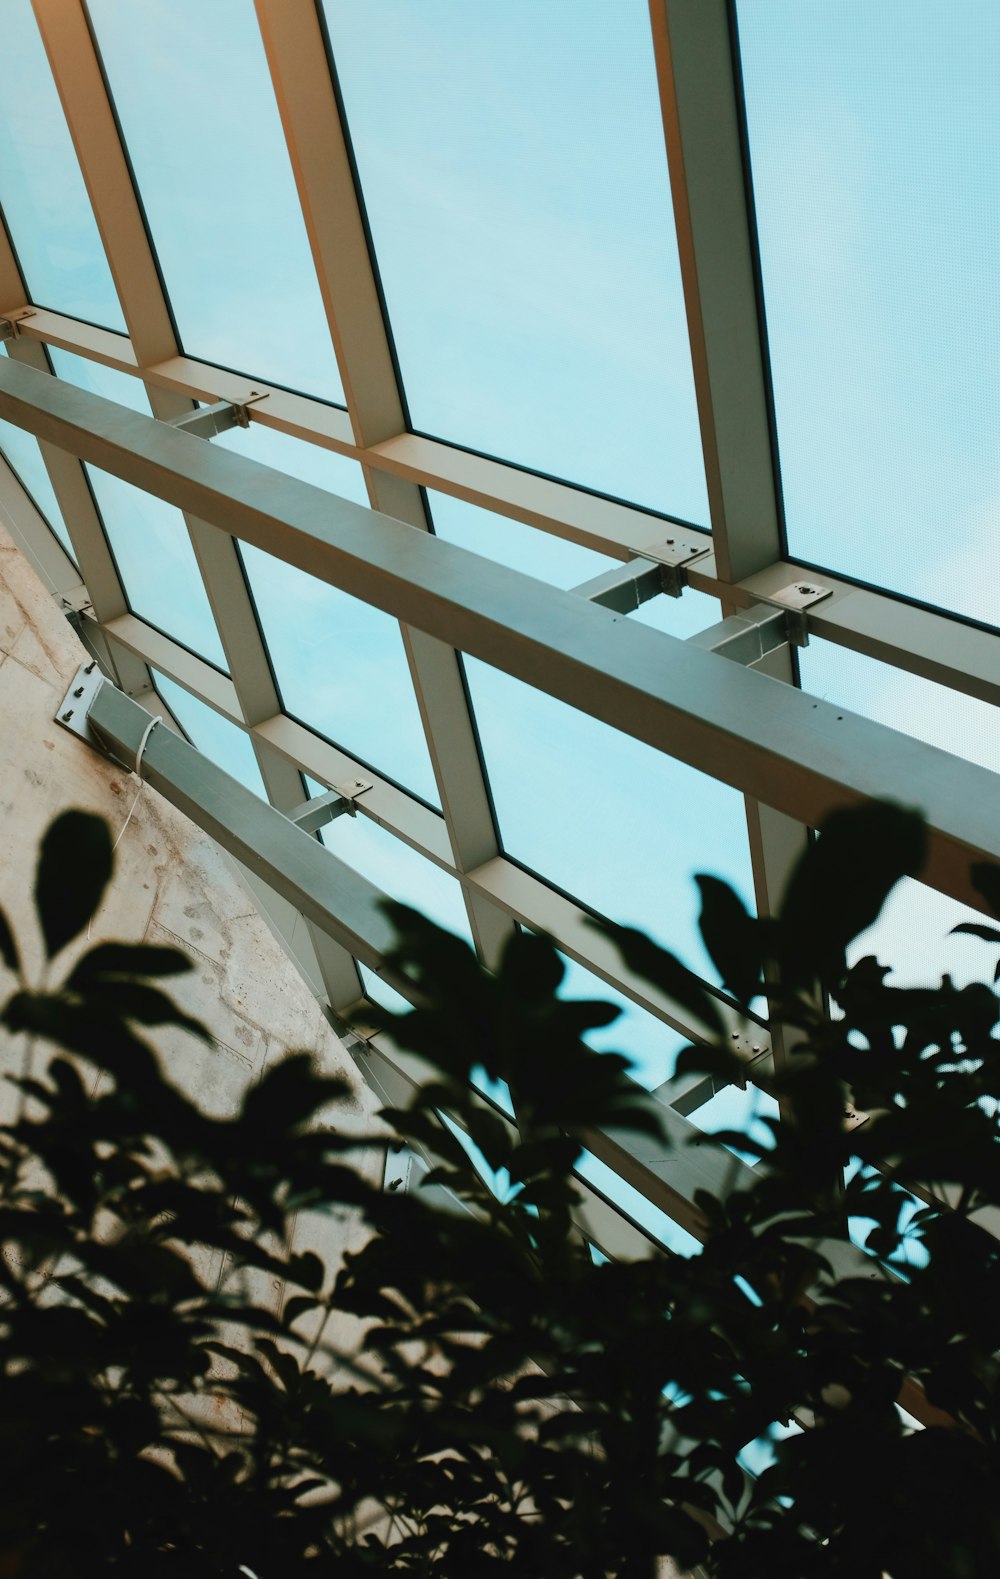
(792, 757)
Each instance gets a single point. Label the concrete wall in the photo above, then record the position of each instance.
(171, 886)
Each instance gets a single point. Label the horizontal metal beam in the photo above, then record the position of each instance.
(927, 642)
(801, 756)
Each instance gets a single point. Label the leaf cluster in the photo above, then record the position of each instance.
(476, 1389)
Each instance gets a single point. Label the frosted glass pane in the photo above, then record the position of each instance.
(194, 98)
(514, 174)
(148, 537)
(875, 149)
(45, 202)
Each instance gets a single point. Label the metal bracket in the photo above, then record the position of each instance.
(209, 421)
(748, 636)
(675, 554)
(796, 598)
(10, 327)
(316, 813)
(690, 1092)
(74, 709)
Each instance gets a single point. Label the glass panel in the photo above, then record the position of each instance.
(513, 544)
(308, 462)
(876, 172)
(22, 453)
(620, 826)
(199, 118)
(341, 668)
(45, 202)
(224, 742)
(911, 934)
(514, 174)
(148, 537)
(402, 872)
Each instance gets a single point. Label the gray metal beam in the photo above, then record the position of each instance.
(317, 147)
(799, 755)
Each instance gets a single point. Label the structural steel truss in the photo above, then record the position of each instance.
(726, 702)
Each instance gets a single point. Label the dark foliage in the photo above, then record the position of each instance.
(514, 1404)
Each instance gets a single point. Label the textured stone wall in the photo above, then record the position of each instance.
(171, 885)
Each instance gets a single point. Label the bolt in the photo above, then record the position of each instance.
(736, 1036)
(67, 715)
(92, 665)
(670, 542)
(756, 1047)
(78, 691)
(805, 590)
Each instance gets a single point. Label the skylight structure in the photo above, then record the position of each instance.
(667, 331)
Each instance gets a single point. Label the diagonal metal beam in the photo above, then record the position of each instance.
(102, 159)
(802, 756)
(296, 53)
(697, 79)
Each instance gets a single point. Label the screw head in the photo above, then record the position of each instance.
(67, 715)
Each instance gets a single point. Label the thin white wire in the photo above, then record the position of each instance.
(137, 769)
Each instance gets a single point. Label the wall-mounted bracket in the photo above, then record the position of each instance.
(74, 709)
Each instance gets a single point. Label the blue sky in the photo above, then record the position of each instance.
(516, 188)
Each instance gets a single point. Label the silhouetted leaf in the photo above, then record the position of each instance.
(8, 948)
(985, 877)
(126, 959)
(74, 866)
(975, 929)
(731, 937)
(841, 883)
(657, 965)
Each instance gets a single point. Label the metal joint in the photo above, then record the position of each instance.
(209, 421)
(316, 813)
(675, 555)
(795, 599)
(10, 328)
(748, 636)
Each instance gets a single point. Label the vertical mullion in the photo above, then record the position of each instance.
(317, 146)
(102, 159)
(697, 79)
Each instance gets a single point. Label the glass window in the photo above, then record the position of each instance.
(875, 147)
(194, 99)
(148, 537)
(513, 544)
(224, 742)
(618, 825)
(514, 174)
(45, 202)
(399, 870)
(341, 668)
(21, 451)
